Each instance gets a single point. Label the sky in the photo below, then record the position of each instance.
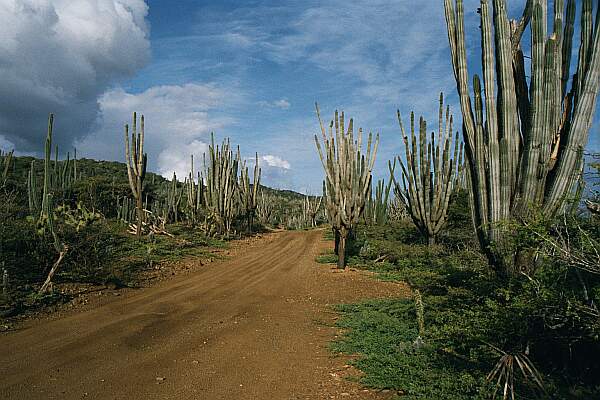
(248, 70)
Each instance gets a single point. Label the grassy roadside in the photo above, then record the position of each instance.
(468, 315)
(103, 255)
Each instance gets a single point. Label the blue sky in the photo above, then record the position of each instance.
(248, 70)
(276, 60)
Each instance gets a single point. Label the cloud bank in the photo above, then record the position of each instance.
(59, 56)
(178, 119)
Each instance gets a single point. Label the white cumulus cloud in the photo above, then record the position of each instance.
(178, 122)
(275, 161)
(281, 103)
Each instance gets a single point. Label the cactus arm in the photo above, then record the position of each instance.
(456, 36)
(567, 45)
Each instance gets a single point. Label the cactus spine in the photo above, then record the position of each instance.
(523, 145)
(248, 193)
(136, 161)
(347, 176)
(430, 174)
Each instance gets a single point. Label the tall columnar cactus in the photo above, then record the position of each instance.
(32, 191)
(5, 163)
(431, 172)
(74, 164)
(136, 161)
(173, 199)
(249, 193)
(46, 204)
(221, 185)
(194, 193)
(524, 144)
(310, 210)
(347, 176)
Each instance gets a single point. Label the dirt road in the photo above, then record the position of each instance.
(253, 327)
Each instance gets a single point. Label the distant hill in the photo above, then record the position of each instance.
(113, 170)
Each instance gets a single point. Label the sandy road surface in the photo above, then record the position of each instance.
(253, 327)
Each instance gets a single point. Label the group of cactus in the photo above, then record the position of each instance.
(221, 185)
(126, 209)
(430, 173)
(291, 213)
(57, 180)
(194, 193)
(310, 210)
(524, 131)
(220, 194)
(377, 207)
(229, 191)
(170, 207)
(347, 177)
(173, 194)
(265, 208)
(248, 192)
(396, 210)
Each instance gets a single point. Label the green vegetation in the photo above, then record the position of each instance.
(72, 222)
(525, 133)
(431, 173)
(474, 320)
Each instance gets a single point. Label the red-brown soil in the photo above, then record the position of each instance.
(255, 326)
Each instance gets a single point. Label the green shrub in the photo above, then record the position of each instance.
(469, 312)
